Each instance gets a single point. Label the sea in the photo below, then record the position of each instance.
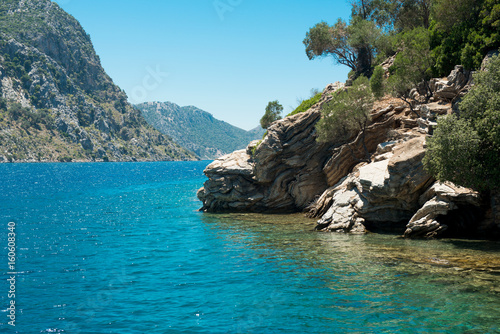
(122, 248)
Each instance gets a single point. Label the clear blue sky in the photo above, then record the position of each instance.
(227, 57)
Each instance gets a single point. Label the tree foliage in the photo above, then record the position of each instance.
(351, 45)
(451, 152)
(347, 112)
(272, 114)
(412, 65)
(398, 15)
(377, 82)
(465, 149)
(462, 32)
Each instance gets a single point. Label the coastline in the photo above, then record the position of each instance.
(334, 181)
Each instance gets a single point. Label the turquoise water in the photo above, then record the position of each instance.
(120, 248)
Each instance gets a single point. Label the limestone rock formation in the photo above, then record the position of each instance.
(439, 200)
(448, 88)
(289, 168)
(284, 175)
(336, 183)
(386, 190)
(395, 189)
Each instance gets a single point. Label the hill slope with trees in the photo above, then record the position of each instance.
(56, 101)
(196, 129)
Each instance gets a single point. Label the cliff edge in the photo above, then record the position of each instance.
(290, 171)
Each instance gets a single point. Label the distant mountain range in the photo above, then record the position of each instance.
(56, 101)
(197, 130)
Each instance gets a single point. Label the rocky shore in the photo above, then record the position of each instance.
(289, 171)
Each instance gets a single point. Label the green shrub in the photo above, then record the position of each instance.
(3, 103)
(377, 82)
(465, 149)
(348, 112)
(272, 114)
(17, 111)
(254, 149)
(306, 104)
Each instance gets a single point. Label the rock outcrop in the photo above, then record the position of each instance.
(283, 175)
(452, 87)
(439, 201)
(384, 191)
(334, 182)
(289, 168)
(393, 191)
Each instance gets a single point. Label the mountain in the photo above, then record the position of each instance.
(57, 103)
(196, 129)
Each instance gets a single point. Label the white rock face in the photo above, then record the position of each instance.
(289, 168)
(381, 191)
(439, 199)
(334, 182)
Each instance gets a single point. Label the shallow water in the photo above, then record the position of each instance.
(120, 248)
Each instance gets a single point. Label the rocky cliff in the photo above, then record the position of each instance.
(290, 171)
(57, 103)
(196, 129)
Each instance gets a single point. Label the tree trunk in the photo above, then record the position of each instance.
(364, 62)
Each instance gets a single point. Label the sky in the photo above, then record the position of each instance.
(227, 57)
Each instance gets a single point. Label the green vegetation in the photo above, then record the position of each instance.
(412, 65)
(452, 32)
(347, 113)
(306, 104)
(462, 32)
(254, 149)
(428, 37)
(272, 114)
(351, 45)
(377, 82)
(196, 129)
(465, 148)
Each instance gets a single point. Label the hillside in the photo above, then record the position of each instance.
(197, 130)
(57, 103)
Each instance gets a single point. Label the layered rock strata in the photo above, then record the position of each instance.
(334, 182)
(289, 168)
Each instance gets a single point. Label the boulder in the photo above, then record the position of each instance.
(438, 201)
(386, 190)
(230, 186)
(452, 86)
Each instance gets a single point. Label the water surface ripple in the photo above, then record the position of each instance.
(120, 248)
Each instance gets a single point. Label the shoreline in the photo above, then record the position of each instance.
(466, 256)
